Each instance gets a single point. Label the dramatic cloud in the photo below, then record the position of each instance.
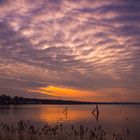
(78, 45)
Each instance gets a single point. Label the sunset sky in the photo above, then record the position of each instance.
(85, 50)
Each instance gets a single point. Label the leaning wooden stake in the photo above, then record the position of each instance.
(95, 112)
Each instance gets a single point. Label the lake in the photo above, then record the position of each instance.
(121, 119)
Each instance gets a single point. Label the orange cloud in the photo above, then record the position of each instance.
(102, 95)
(61, 91)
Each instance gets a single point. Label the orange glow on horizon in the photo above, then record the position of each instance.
(102, 95)
(64, 92)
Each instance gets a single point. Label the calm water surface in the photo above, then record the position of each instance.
(111, 117)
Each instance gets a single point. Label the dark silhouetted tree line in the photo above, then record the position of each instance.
(7, 100)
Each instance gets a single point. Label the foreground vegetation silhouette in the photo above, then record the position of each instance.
(27, 131)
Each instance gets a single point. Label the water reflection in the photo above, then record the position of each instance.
(64, 114)
(123, 119)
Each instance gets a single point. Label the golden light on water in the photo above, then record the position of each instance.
(55, 114)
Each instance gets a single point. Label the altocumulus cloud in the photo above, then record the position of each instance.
(79, 44)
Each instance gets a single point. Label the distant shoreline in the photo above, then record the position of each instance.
(78, 104)
(7, 100)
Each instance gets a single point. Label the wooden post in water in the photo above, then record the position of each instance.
(65, 111)
(95, 112)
